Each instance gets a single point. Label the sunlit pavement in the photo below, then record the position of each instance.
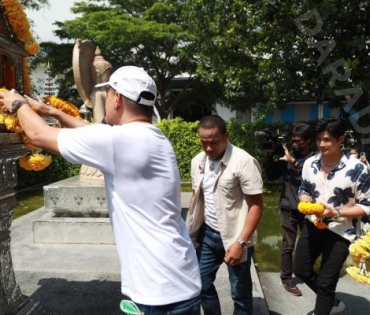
(84, 279)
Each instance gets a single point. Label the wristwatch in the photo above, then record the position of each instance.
(338, 215)
(242, 243)
(17, 104)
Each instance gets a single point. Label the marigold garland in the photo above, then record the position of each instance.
(19, 24)
(355, 273)
(360, 252)
(26, 76)
(63, 105)
(310, 208)
(361, 247)
(35, 161)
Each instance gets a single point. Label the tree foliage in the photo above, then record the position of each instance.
(258, 52)
(150, 34)
(35, 4)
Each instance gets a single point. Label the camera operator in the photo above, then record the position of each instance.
(289, 167)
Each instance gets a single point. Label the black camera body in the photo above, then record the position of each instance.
(271, 142)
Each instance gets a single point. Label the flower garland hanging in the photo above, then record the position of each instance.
(63, 105)
(360, 253)
(19, 24)
(9, 122)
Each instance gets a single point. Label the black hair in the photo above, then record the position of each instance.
(213, 121)
(303, 130)
(335, 126)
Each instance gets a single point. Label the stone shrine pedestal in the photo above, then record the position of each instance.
(77, 214)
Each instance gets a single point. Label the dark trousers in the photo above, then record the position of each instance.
(333, 250)
(290, 221)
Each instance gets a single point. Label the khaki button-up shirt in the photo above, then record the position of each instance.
(240, 175)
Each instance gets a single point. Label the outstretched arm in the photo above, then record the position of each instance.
(35, 127)
(65, 119)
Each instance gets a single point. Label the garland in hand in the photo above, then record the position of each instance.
(308, 208)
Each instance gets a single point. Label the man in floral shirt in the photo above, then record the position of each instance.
(342, 184)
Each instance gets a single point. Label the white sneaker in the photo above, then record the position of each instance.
(338, 308)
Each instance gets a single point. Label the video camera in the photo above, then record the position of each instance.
(271, 142)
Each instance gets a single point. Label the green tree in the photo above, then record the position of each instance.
(273, 51)
(147, 33)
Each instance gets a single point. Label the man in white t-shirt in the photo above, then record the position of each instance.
(159, 266)
(224, 212)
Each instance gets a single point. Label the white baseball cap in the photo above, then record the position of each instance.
(133, 83)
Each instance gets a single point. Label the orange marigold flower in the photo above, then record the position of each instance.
(23, 162)
(319, 224)
(39, 161)
(63, 105)
(12, 124)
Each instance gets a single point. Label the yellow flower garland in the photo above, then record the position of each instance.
(354, 272)
(360, 252)
(361, 247)
(36, 161)
(310, 207)
(65, 106)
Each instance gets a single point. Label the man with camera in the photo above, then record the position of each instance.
(289, 167)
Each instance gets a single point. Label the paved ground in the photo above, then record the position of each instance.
(84, 279)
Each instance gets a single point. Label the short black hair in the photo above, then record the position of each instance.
(303, 130)
(213, 121)
(335, 126)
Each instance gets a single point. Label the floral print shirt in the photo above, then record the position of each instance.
(348, 184)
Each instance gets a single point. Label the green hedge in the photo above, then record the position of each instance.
(58, 169)
(184, 139)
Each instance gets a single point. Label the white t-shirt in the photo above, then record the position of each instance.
(212, 168)
(158, 261)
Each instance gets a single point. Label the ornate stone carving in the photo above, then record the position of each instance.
(89, 69)
(12, 301)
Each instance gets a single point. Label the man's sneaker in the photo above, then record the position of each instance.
(291, 288)
(338, 307)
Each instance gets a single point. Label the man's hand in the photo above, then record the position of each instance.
(40, 107)
(287, 156)
(7, 98)
(233, 254)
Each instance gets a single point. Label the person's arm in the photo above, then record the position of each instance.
(191, 199)
(289, 158)
(352, 212)
(35, 127)
(255, 202)
(65, 119)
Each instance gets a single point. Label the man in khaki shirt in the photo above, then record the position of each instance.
(224, 212)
